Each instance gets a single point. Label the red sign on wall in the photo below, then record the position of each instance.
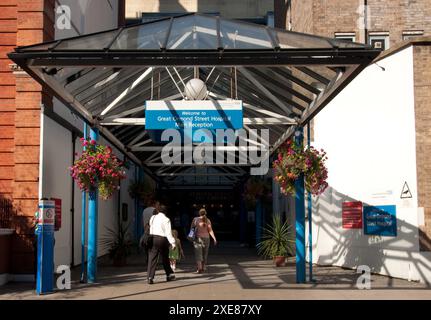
(57, 213)
(352, 215)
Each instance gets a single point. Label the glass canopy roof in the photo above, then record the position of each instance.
(283, 78)
(194, 31)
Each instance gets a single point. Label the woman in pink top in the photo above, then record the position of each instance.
(202, 243)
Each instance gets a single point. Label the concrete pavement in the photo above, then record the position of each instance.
(234, 273)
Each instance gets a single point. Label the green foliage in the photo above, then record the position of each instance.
(117, 242)
(277, 239)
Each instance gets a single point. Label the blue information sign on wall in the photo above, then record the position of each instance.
(195, 114)
(380, 220)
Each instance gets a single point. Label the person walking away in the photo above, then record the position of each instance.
(148, 212)
(146, 216)
(203, 228)
(160, 229)
(175, 253)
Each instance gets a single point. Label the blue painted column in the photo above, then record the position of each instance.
(310, 220)
(300, 217)
(141, 208)
(83, 221)
(45, 247)
(259, 221)
(242, 217)
(137, 235)
(92, 225)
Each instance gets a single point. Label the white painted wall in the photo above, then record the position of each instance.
(368, 131)
(87, 16)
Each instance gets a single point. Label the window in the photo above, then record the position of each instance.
(408, 35)
(379, 40)
(347, 36)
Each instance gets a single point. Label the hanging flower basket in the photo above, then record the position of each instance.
(292, 161)
(98, 168)
(257, 189)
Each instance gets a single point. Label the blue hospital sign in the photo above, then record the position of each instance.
(195, 114)
(380, 220)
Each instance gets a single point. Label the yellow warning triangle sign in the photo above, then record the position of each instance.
(405, 193)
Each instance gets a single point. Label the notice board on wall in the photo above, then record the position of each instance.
(352, 215)
(57, 202)
(380, 220)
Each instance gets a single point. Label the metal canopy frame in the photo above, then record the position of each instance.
(284, 79)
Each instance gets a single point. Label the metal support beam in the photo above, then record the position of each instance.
(92, 225)
(310, 220)
(300, 217)
(83, 221)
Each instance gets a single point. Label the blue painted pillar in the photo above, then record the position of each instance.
(242, 218)
(140, 209)
(300, 217)
(259, 221)
(310, 220)
(45, 247)
(92, 225)
(83, 221)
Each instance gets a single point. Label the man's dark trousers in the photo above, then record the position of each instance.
(160, 247)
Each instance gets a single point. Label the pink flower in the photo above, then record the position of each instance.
(93, 142)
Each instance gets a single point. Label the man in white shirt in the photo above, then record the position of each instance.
(161, 231)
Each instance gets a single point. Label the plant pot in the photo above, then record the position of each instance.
(279, 261)
(120, 261)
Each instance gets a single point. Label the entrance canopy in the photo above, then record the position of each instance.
(283, 78)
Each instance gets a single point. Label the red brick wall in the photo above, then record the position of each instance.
(8, 29)
(22, 22)
(323, 17)
(422, 78)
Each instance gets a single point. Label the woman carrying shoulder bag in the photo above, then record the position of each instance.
(201, 244)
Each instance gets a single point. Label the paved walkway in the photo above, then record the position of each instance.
(234, 273)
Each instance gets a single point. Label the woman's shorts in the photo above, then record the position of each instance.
(201, 246)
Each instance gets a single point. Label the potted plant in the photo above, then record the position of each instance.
(119, 244)
(98, 168)
(277, 240)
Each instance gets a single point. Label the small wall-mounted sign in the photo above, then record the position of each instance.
(405, 192)
(352, 215)
(57, 202)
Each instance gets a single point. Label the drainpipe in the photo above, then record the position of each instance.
(41, 134)
(366, 21)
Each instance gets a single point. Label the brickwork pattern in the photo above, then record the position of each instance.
(22, 22)
(422, 78)
(325, 18)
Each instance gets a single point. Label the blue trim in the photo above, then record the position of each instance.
(258, 221)
(300, 217)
